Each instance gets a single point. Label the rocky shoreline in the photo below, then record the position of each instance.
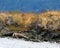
(34, 35)
(34, 27)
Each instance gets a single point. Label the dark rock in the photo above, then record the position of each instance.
(9, 34)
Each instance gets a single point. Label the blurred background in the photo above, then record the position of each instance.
(29, 5)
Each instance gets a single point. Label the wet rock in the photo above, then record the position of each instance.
(5, 32)
(56, 36)
(8, 34)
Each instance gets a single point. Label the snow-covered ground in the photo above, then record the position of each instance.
(18, 43)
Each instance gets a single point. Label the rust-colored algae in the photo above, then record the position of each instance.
(23, 20)
(44, 26)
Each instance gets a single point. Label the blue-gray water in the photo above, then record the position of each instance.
(29, 5)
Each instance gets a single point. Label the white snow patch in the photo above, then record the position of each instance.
(17, 43)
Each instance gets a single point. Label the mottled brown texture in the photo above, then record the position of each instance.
(35, 27)
(50, 19)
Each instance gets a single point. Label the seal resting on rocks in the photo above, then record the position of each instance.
(43, 26)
